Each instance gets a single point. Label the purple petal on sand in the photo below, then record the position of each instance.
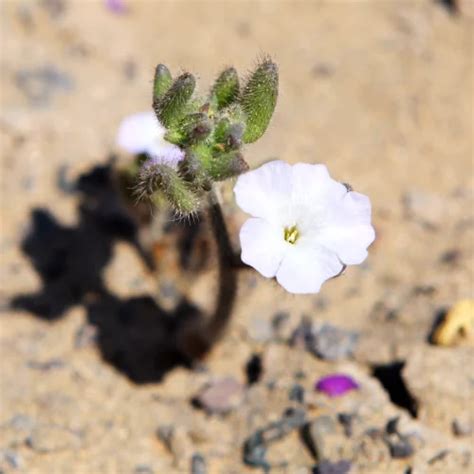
(116, 6)
(335, 385)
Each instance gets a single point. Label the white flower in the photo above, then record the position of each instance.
(142, 133)
(306, 226)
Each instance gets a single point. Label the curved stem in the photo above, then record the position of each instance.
(227, 274)
(198, 338)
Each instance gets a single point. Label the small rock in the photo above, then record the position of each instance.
(401, 449)
(327, 467)
(255, 447)
(10, 458)
(220, 396)
(327, 341)
(296, 393)
(332, 343)
(462, 427)
(198, 464)
(49, 438)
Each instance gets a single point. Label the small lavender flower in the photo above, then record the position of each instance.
(142, 133)
(306, 226)
(335, 385)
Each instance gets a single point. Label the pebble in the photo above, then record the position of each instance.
(326, 342)
(49, 438)
(296, 393)
(220, 396)
(462, 427)
(11, 458)
(401, 449)
(332, 343)
(327, 467)
(255, 447)
(198, 464)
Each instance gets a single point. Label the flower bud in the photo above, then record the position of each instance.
(162, 81)
(259, 98)
(171, 107)
(157, 178)
(226, 165)
(225, 89)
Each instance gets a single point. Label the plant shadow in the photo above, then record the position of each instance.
(135, 335)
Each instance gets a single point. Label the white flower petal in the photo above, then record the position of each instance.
(305, 268)
(347, 230)
(266, 191)
(263, 246)
(312, 186)
(138, 132)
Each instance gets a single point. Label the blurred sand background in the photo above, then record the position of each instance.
(380, 91)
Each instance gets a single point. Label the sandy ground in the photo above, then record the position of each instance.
(381, 92)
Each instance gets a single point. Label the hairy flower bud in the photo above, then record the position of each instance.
(157, 177)
(171, 107)
(258, 99)
(226, 165)
(161, 83)
(225, 89)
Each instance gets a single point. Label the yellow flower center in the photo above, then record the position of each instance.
(291, 234)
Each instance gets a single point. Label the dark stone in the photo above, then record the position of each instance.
(296, 393)
(346, 420)
(255, 447)
(198, 464)
(401, 449)
(462, 427)
(327, 467)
